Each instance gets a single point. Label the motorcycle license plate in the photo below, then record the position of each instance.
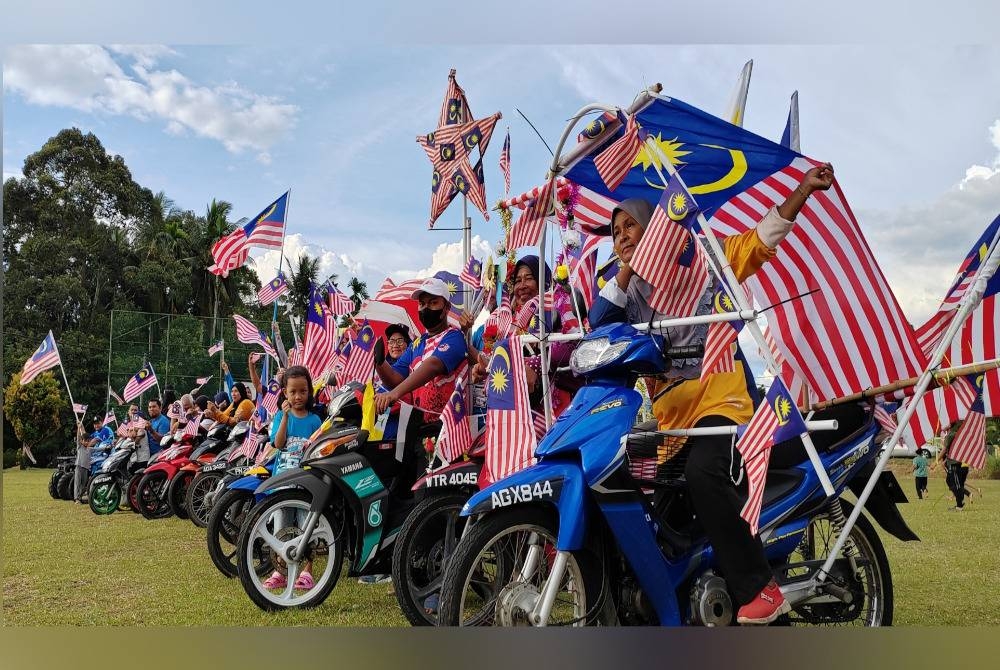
(239, 471)
(214, 467)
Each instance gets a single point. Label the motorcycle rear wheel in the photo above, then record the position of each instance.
(65, 486)
(54, 484)
(871, 584)
(132, 492)
(480, 586)
(224, 523)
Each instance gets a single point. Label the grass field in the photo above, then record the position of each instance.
(63, 565)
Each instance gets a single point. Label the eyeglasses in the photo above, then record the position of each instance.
(397, 340)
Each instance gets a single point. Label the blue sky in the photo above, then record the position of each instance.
(912, 131)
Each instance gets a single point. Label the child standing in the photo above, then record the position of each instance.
(921, 469)
(290, 430)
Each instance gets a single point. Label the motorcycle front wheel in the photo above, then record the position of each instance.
(177, 493)
(497, 572)
(863, 570)
(201, 494)
(104, 498)
(151, 495)
(274, 524)
(224, 523)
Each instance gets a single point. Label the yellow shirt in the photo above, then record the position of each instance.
(681, 404)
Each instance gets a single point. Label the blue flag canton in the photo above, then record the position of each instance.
(680, 208)
(790, 421)
(278, 281)
(455, 111)
(457, 403)
(366, 337)
(724, 305)
(720, 160)
(499, 384)
(978, 384)
(275, 212)
(977, 256)
(144, 372)
(317, 310)
(456, 289)
(47, 345)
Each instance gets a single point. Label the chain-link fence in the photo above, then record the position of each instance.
(177, 347)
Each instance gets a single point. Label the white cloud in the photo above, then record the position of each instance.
(447, 257)
(87, 78)
(144, 55)
(330, 262)
(8, 174)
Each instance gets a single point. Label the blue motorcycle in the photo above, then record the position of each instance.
(600, 530)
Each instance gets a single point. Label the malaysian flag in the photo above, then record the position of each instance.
(885, 417)
(320, 333)
(455, 108)
(526, 314)
(472, 273)
(270, 291)
(387, 284)
(248, 333)
(616, 161)
(969, 443)
(264, 230)
(591, 211)
(141, 381)
(456, 435)
(175, 411)
(938, 409)
(669, 255)
(527, 230)
(295, 355)
(269, 401)
(500, 324)
(360, 362)
(977, 339)
(399, 292)
(214, 349)
(191, 427)
(338, 303)
(505, 162)
(510, 433)
(79, 409)
(109, 418)
(777, 419)
(825, 249)
(720, 343)
(583, 268)
(46, 356)
(343, 352)
(248, 448)
(200, 381)
(118, 398)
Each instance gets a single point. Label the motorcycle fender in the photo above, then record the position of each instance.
(248, 483)
(304, 479)
(454, 476)
(559, 484)
(881, 504)
(101, 479)
(190, 467)
(169, 468)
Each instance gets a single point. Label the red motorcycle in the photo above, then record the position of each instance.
(205, 453)
(151, 493)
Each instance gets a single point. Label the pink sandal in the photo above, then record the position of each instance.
(305, 581)
(276, 581)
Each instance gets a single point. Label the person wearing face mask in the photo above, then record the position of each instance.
(682, 400)
(424, 375)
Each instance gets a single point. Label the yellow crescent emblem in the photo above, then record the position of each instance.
(677, 207)
(979, 381)
(501, 352)
(671, 148)
(268, 213)
(782, 409)
(723, 303)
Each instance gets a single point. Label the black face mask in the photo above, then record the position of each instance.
(431, 318)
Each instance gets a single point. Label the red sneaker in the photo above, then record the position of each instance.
(766, 606)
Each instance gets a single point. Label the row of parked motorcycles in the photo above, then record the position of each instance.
(586, 535)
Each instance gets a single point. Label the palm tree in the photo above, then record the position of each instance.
(302, 276)
(359, 291)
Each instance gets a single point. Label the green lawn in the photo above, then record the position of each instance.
(65, 565)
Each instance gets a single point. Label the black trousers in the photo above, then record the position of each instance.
(710, 472)
(921, 486)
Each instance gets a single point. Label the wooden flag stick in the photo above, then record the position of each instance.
(941, 378)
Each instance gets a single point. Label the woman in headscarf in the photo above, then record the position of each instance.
(240, 409)
(682, 400)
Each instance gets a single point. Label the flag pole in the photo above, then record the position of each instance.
(111, 331)
(66, 381)
(158, 391)
(970, 300)
(281, 259)
(740, 300)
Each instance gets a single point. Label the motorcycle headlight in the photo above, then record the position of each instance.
(592, 354)
(328, 447)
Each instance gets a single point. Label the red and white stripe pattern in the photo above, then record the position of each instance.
(248, 448)
(229, 252)
(583, 269)
(46, 356)
(850, 335)
(387, 284)
(117, 398)
(456, 434)
(270, 400)
(360, 362)
(272, 290)
(109, 418)
(930, 333)
(399, 292)
(339, 303)
(670, 257)
(214, 349)
(615, 162)
(886, 420)
(191, 427)
(320, 334)
(500, 322)
(141, 381)
(720, 342)
(248, 333)
(969, 444)
(524, 315)
(505, 163)
(937, 410)
(510, 433)
(527, 230)
(472, 273)
(79, 409)
(592, 210)
(295, 355)
(539, 425)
